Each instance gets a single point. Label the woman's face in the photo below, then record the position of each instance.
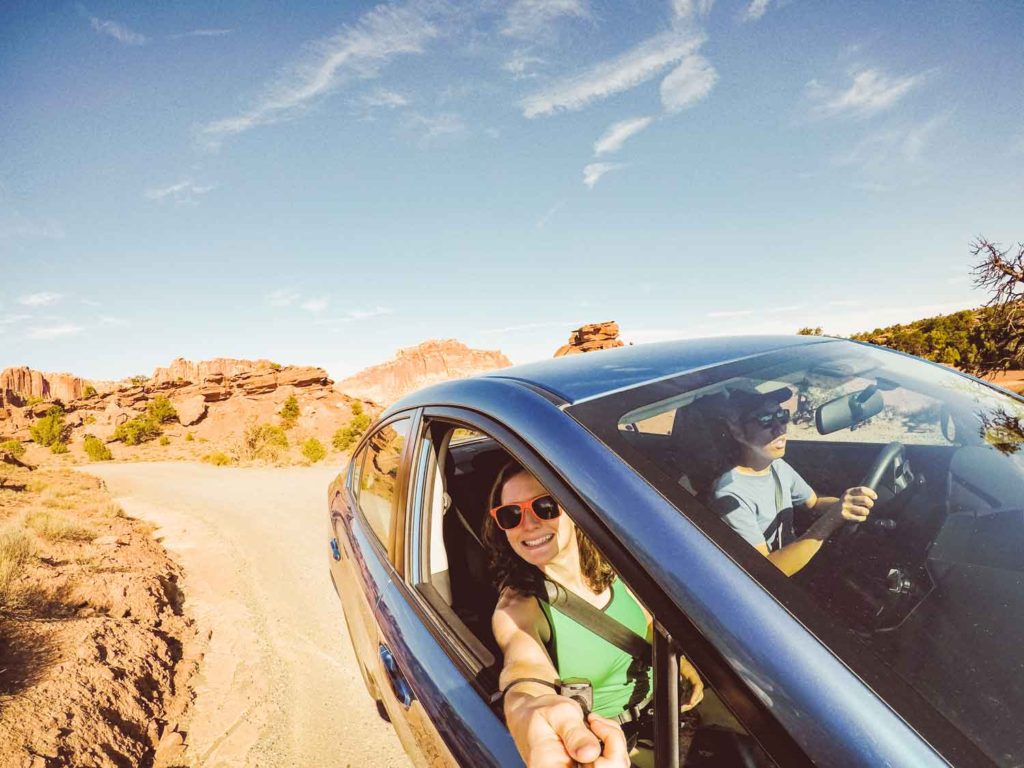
(538, 542)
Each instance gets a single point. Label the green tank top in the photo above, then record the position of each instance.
(619, 680)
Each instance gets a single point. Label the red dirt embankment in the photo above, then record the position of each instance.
(96, 653)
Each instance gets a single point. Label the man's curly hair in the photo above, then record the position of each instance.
(509, 570)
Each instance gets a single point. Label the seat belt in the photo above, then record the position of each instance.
(598, 622)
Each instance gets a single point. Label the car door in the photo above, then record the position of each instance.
(364, 518)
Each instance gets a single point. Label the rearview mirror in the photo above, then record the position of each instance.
(848, 410)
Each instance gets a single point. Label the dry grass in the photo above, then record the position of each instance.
(55, 527)
(15, 552)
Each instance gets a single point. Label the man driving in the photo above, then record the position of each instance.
(756, 497)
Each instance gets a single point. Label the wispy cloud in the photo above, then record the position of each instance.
(358, 51)
(870, 92)
(314, 305)
(519, 63)
(621, 73)
(382, 97)
(365, 314)
(202, 33)
(55, 331)
(438, 126)
(731, 313)
(688, 83)
(543, 220)
(894, 147)
(692, 9)
(186, 191)
(527, 327)
(527, 18)
(12, 319)
(41, 299)
(282, 297)
(593, 172)
(786, 308)
(617, 134)
(755, 10)
(118, 31)
(15, 225)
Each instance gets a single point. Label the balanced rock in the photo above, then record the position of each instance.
(591, 337)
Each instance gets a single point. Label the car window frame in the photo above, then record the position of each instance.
(387, 550)
(941, 733)
(673, 629)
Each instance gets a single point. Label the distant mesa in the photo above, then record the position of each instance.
(17, 385)
(590, 338)
(196, 373)
(416, 367)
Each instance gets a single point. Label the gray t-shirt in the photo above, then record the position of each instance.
(747, 504)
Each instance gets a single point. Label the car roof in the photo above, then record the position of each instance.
(574, 378)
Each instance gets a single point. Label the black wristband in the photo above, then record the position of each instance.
(501, 694)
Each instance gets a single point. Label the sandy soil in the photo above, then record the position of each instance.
(279, 685)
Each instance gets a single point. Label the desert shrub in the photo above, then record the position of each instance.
(33, 400)
(217, 458)
(89, 391)
(13, 448)
(15, 552)
(189, 437)
(95, 449)
(55, 527)
(313, 450)
(88, 419)
(137, 430)
(347, 436)
(138, 381)
(50, 428)
(262, 442)
(160, 410)
(275, 366)
(59, 447)
(165, 440)
(289, 412)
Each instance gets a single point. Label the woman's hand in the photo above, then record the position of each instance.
(689, 674)
(550, 732)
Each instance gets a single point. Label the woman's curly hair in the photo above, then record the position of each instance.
(509, 570)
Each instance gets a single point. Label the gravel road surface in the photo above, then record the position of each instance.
(279, 685)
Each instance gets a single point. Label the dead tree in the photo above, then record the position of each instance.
(1001, 273)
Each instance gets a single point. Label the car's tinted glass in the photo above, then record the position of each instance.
(932, 586)
(378, 478)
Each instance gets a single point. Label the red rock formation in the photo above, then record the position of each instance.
(182, 370)
(588, 338)
(25, 383)
(416, 367)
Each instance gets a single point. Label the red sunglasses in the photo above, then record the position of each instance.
(509, 516)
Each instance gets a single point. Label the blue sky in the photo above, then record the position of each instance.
(323, 183)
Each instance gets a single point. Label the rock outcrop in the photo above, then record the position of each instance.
(182, 370)
(20, 384)
(589, 338)
(415, 367)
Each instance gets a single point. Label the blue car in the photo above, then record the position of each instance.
(899, 644)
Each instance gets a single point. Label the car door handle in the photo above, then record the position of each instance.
(398, 683)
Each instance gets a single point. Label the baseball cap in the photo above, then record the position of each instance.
(744, 398)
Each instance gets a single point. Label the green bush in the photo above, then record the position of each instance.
(217, 458)
(289, 412)
(313, 450)
(95, 449)
(349, 435)
(138, 381)
(89, 391)
(165, 440)
(59, 447)
(262, 442)
(13, 448)
(50, 428)
(275, 366)
(137, 430)
(160, 410)
(189, 437)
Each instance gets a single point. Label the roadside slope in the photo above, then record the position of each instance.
(279, 685)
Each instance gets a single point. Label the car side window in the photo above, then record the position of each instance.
(378, 478)
(356, 471)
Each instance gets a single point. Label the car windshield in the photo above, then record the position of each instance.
(932, 583)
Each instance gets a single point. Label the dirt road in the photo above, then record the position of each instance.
(279, 685)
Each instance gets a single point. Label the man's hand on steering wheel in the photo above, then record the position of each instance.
(550, 732)
(855, 504)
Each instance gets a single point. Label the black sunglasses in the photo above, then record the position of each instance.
(765, 420)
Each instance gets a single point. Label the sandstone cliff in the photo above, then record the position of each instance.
(415, 367)
(588, 338)
(22, 383)
(196, 373)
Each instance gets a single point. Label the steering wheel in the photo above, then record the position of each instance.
(889, 475)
